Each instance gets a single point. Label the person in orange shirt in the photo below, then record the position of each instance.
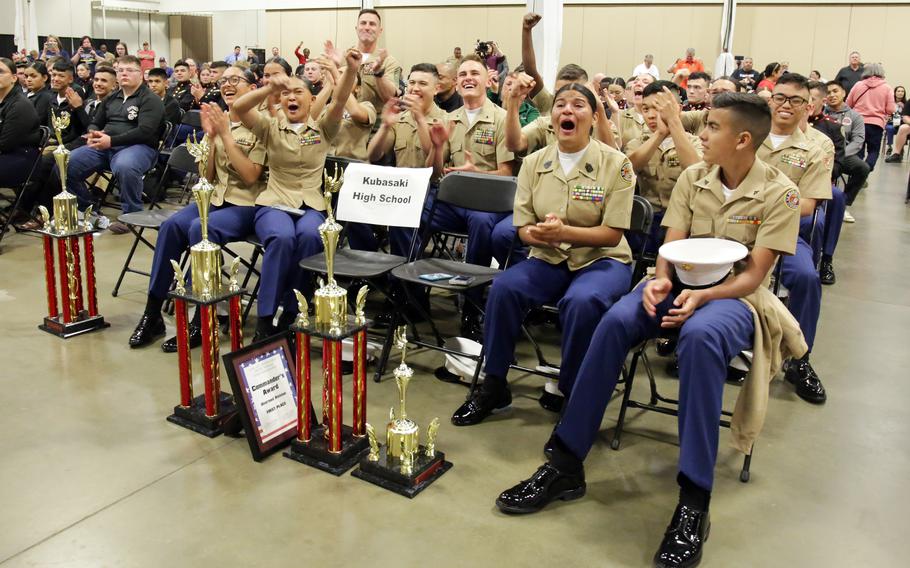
(682, 68)
(146, 57)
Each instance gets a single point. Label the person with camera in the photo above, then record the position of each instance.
(87, 55)
(52, 48)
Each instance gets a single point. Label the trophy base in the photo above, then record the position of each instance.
(86, 324)
(315, 453)
(193, 417)
(386, 472)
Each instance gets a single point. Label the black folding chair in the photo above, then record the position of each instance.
(475, 191)
(18, 191)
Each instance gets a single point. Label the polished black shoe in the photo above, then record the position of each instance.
(893, 159)
(150, 327)
(736, 376)
(550, 401)
(546, 485)
(826, 273)
(808, 386)
(667, 346)
(194, 333)
(481, 405)
(683, 541)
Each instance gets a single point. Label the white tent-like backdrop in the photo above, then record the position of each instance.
(26, 31)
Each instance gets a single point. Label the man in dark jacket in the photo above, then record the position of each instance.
(123, 136)
(851, 74)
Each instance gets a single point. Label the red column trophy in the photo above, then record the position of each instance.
(330, 445)
(403, 465)
(208, 413)
(76, 314)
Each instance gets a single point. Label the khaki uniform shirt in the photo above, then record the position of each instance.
(227, 182)
(801, 161)
(353, 137)
(369, 92)
(486, 139)
(821, 140)
(763, 211)
(296, 160)
(631, 125)
(543, 100)
(597, 192)
(694, 121)
(409, 152)
(657, 179)
(539, 133)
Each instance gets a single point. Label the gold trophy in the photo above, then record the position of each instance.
(331, 299)
(205, 256)
(66, 212)
(403, 465)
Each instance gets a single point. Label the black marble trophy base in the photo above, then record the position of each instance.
(55, 326)
(386, 472)
(315, 453)
(193, 417)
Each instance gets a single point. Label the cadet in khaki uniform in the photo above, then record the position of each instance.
(660, 154)
(788, 149)
(357, 121)
(379, 72)
(573, 202)
(731, 195)
(631, 124)
(297, 147)
(237, 160)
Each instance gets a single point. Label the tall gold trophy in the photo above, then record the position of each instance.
(329, 444)
(205, 256)
(403, 465)
(76, 314)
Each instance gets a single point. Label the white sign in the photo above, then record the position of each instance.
(382, 195)
(270, 388)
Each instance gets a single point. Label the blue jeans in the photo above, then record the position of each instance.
(128, 163)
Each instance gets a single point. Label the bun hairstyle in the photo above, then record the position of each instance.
(579, 88)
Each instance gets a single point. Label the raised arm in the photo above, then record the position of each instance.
(345, 85)
(383, 139)
(246, 106)
(528, 58)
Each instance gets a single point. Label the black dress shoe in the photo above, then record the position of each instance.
(481, 405)
(826, 273)
(808, 386)
(150, 327)
(683, 541)
(546, 485)
(550, 401)
(472, 326)
(667, 346)
(194, 334)
(672, 368)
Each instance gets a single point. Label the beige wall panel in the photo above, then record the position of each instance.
(829, 50)
(867, 27)
(895, 57)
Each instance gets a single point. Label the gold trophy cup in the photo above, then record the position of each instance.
(66, 212)
(205, 256)
(331, 299)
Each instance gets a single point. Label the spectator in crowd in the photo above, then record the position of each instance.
(234, 57)
(769, 77)
(157, 82)
(647, 67)
(39, 92)
(697, 91)
(615, 88)
(816, 76)
(19, 132)
(302, 56)
(275, 52)
(108, 56)
(87, 55)
(84, 77)
(273, 67)
(182, 90)
(854, 130)
(447, 97)
(21, 77)
(193, 70)
(312, 72)
(123, 137)
(251, 57)
(527, 113)
(146, 56)
(891, 126)
(52, 48)
(455, 58)
(903, 132)
(120, 50)
(66, 98)
(162, 63)
(873, 99)
(746, 75)
(682, 68)
(851, 74)
(380, 73)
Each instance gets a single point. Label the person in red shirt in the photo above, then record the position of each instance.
(303, 57)
(769, 78)
(682, 68)
(146, 57)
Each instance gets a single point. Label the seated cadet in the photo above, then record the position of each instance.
(476, 144)
(66, 99)
(697, 91)
(297, 146)
(357, 120)
(715, 323)
(123, 137)
(790, 151)
(182, 89)
(39, 91)
(19, 128)
(853, 128)
(157, 82)
(312, 72)
(271, 106)
(573, 202)
(447, 97)
(825, 131)
(527, 113)
(631, 123)
(694, 120)
(661, 153)
(216, 72)
(616, 88)
(236, 164)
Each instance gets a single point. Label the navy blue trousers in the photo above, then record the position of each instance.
(834, 220)
(800, 277)
(128, 163)
(506, 245)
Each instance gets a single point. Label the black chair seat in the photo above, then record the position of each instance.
(351, 263)
(151, 219)
(411, 272)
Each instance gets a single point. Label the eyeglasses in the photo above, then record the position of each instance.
(795, 101)
(128, 70)
(232, 81)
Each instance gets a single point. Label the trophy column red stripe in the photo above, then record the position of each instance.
(183, 354)
(336, 393)
(91, 294)
(360, 383)
(49, 278)
(77, 268)
(236, 329)
(208, 377)
(216, 360)
(64, 281)
(306, 397)
(298, 383)
(326, 377)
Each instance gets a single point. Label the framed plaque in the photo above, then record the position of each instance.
(262, 377)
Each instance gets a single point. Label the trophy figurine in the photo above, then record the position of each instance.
(66, 212)
(331, 299)
(403, 465)
(205, 256)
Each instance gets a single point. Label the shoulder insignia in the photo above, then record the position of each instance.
(589, 168)
(626, 171)
(548, 164)
(791, 198)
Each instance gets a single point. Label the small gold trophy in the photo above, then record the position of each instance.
(66, 212)
(205, 256)
(331, 299)
(403, 465)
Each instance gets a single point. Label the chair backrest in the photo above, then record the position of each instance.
(642, 215)
(192, 118)
(479, 192)
(165, 132)
(181, 159)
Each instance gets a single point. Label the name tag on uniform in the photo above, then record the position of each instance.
(794, 159)
(310, 139)
(593, 193)
(245, 142)
(484, 136)
(744, 220)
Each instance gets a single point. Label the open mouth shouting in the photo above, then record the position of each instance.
(568, 125)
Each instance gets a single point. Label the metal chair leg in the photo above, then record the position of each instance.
(386, 348)
(626, 393)
(129, 258)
